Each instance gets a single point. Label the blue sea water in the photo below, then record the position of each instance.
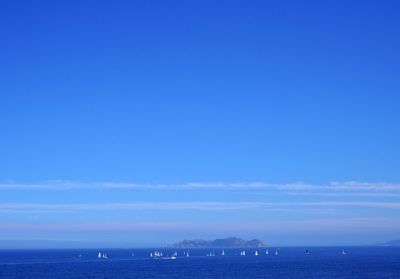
(322, 262)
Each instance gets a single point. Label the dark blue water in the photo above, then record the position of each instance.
(366, 262)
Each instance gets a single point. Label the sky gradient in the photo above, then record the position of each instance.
(152, 121)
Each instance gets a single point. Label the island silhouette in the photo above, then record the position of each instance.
(230, 242)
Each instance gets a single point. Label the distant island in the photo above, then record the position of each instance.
(391, 243)
(230, 242)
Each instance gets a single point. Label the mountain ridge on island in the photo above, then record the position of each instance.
(230, 242)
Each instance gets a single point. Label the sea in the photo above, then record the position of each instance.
(283, 262)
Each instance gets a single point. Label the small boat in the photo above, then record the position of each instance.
(266, 252)
(307, 252)
(343, 252)
(243, 253)
(256, 253)
(151, 255)
(105, 256)
(99, 256)
(223, 253)
(187, 254)
(276, 253)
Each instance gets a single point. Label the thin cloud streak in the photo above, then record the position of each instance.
(298, 186)
(341, 194)
(215, 206)
(132, 206)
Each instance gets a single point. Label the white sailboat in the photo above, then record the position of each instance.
(99, 256)
(243, 253)
(187, 254)
(105, 256)
(256, 253)
(223, 253)
(151, 255)
(266, 252)
(276, 253)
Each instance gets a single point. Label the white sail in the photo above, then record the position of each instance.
(223, 253)
(266, 252)
(256, 253)
(99, 255)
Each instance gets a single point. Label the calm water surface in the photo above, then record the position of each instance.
(366, 262)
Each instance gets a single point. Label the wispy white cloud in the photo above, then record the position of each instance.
(355, 204)
(132, 206)
(215, 206)
(342, 194)
(298, 186)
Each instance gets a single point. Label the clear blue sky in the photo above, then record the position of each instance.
(109, 110)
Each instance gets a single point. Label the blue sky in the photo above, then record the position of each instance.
(152, 121)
